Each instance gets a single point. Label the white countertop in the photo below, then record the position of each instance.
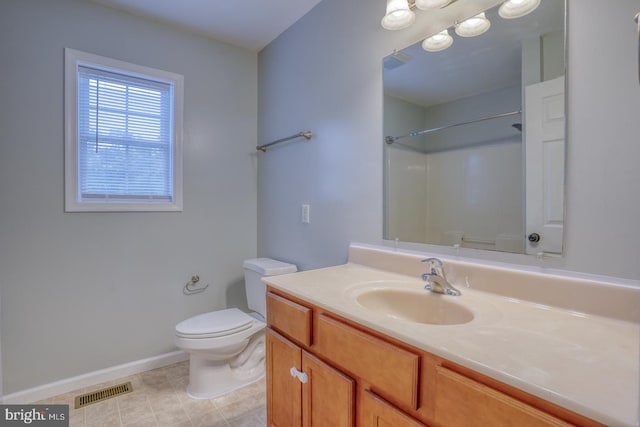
(586, 363)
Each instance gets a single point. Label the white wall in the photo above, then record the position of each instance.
(86, 291)
(467, 198)
(406, 198)
(325, 74)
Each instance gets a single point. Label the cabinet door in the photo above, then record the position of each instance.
(379, 413)
(284, 392)
(328, 397)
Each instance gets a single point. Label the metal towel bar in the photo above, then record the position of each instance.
(478, 240)
(306, 134)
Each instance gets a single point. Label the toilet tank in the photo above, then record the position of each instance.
(254, 270)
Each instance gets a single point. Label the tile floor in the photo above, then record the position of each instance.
(159, 399)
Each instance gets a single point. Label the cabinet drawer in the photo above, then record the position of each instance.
(289, 318)
(391, 371)
(463, 401)
(378, 413)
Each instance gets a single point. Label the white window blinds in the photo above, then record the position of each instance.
(125, 137)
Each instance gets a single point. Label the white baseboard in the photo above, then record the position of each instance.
(92, 378)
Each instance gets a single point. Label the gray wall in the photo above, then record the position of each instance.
(86, 291)
(325, 74)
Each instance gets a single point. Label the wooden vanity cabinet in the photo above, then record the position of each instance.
(345, 374)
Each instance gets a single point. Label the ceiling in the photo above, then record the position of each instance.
(251, 24)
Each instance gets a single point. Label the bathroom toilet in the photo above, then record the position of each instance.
(226, 347)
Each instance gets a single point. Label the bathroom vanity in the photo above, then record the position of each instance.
(352, 345)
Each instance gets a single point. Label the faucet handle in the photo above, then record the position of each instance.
(436, 279)
(432, 264)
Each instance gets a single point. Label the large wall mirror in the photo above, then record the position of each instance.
(475, 137)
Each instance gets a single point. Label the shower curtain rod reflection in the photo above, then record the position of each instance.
(392, 139)
(307, 135)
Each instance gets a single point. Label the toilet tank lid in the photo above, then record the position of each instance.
(268, 266)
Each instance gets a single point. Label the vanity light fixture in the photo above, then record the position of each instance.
(438, 42)
(399, 15)
(516, 8)
(473, 26)
(431, 4)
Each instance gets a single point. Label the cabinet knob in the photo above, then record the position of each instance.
(534, 237)
(301, 376)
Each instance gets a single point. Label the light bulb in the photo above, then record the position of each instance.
(438, 42)
(398, 15)
(517, 8)
(431, 4)
(473, 26)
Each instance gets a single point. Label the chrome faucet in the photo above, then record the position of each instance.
(436, 279)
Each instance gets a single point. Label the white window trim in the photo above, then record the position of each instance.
(74, 59)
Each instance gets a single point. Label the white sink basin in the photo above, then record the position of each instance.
(414, 306)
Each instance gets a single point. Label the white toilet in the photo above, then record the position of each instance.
(226, 347)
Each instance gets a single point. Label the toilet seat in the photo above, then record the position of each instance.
(215, 324)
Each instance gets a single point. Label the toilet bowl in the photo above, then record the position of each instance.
(226, 347)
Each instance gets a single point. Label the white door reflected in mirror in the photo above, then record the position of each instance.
(544, 154)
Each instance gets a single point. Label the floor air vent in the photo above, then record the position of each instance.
(104, 394)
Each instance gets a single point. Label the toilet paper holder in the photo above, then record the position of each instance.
(190, 287)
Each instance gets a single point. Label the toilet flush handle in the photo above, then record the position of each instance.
(303, 377)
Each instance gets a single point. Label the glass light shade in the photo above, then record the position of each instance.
(517, 8)
(398, 15)
(438, 42)
(474, 26)
(431, 4)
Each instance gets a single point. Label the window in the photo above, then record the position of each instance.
(123, 136)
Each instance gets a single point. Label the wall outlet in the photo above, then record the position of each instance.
(305, 214)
